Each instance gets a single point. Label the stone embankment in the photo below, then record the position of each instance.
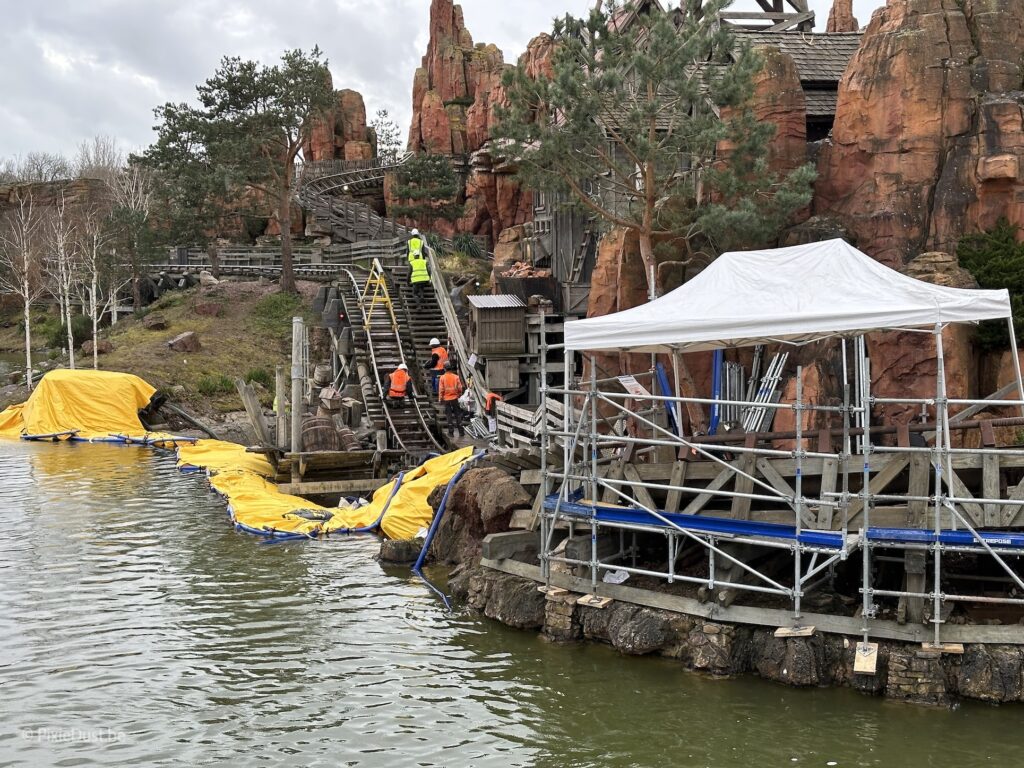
(484, 501)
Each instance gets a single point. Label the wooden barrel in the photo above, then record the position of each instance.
(320, 434)
(348, 439)
(322, 375)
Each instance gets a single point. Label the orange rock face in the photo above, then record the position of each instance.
(928, 141)
(841, 18)
(453, 74)
(779, 99)
(455, 93)
(341, 133)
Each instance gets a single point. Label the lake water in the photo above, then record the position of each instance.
(137, 628)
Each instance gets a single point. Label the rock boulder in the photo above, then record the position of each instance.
(185, 342)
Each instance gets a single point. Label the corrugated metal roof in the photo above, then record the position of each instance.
(502, 301)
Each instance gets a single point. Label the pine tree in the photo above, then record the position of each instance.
(646, 123)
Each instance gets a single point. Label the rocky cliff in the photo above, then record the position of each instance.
(929, 134)
(341, 133)
(455, 92)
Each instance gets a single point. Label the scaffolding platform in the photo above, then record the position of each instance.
(747, 531)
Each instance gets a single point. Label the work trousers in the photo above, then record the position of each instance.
(453, 417)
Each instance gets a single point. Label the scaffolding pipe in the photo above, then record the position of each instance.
(866, 602)
(298, 383)
(798, 488)
(1016, 364)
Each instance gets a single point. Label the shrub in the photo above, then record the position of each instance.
(215, 384)
(996, 259)
(468, 245)
(262, 377)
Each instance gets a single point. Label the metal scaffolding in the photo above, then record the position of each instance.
(823, 527)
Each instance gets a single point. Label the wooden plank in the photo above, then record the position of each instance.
(801, 631)
(957, 488)
(616, 472)
(741, 505)
(255, 412)
(676, 479)
(779, 483)
(990, 487)
(881, 481)
(641, 494)
(717, 484)
(829, 479)
(1010, 511)
(765, 617)
(366, 485)
(919, 485)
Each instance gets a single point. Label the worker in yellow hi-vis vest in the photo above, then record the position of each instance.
(419, 275)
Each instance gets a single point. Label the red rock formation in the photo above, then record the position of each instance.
(455, 92)
(841, 18)
(779, 99)
(453, 74)
(341, 133)
(928, 141)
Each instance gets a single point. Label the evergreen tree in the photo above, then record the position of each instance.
(427, 190)
(646, 124)
(996, 259)
(246, 134)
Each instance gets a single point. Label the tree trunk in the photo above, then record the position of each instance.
(94, 303)
(71, 333)
(647, 256)
(284, 219)
(136, 282)
(28, 334)
(213, 253)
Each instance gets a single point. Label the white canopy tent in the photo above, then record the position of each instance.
(793, 295)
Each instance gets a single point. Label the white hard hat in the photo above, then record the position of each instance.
(415, 233)
(435, 341)
(403, 367)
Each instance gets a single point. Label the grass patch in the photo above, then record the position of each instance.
(261, 376)
(211, 385)
(273, 313)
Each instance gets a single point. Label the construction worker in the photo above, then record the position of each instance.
(449, 390)
(438, 357)
(398, 386)
(419, 275)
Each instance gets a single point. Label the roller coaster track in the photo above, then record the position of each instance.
(368, 300)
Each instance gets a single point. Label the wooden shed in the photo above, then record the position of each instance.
(497, 325)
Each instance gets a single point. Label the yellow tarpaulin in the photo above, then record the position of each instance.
(216, 456)
(11, 421)
(408, 512)
(259, 507)
(95, 404)
(99, 404)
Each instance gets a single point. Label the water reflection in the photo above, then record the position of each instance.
(132, 609)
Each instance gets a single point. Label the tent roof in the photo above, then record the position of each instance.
(796, 295)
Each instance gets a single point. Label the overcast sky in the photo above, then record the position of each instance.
(72, 69)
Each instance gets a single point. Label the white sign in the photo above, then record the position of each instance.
(633, 386)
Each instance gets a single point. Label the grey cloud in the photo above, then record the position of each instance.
(124, 57)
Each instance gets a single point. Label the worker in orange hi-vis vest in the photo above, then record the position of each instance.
(398, 386)
(449, 390)
(438, 357)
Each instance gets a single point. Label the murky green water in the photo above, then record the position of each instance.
(136, 628)
(9, 363)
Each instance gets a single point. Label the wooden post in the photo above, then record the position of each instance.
(297, 384)
(280, 397)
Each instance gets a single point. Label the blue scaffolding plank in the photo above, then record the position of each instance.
(728, 527)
